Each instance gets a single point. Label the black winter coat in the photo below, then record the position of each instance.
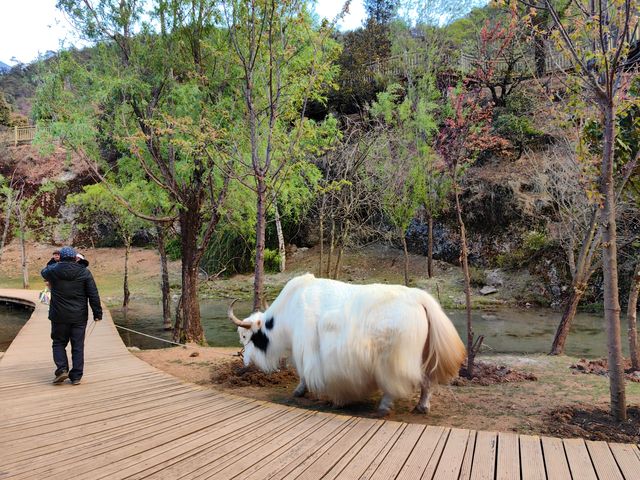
(71, 285)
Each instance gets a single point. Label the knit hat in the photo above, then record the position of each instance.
(67, 252)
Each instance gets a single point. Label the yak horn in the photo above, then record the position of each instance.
(236, 320)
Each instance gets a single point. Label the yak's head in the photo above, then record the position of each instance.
(254, 332)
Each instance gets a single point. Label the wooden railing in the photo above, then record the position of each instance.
(525, 66)
(17, 135)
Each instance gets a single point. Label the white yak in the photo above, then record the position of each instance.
(346, 341)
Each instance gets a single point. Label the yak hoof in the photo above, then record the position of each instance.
(382, 413)
(299, 393)
(420, 409)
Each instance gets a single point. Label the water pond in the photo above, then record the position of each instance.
(12, 318)
(505, 330)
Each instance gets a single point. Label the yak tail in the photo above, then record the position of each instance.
(443, 352)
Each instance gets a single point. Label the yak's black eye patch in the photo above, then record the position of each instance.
(260, 340)
(269, 324)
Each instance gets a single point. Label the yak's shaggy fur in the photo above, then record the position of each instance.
(345, 341)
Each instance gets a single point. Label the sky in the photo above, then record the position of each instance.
(29, 28)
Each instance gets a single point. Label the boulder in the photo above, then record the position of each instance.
(488, 289)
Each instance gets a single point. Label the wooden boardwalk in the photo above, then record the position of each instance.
(129, 420)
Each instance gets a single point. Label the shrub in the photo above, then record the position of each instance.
(271, 260)
(533, 243)
(174, 249)
(477, 277)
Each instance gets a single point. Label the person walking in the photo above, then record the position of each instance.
(71, 286)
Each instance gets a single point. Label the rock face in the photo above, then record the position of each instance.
(499, 206)
(32, 168)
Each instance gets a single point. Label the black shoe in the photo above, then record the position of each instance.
(76, 381)
(61, 377)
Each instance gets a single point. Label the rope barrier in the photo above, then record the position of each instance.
(239, 354)
(150, 336)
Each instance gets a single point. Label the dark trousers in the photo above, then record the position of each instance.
(61, 334)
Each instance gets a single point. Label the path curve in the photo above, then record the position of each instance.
(130, 420)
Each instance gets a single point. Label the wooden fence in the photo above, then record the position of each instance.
(398, 65)
(17, 135)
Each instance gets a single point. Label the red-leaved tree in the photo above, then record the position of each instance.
(466, 132)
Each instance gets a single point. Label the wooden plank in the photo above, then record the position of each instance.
(508, 461)
(212, 454)
(331, 457)
(453, 455)
(467, 462)
(352, 453)
(261, 451)
(96, 445)
(389, 464)
(484, 456)
(579, 459)
(136, 457)
(297, 449)
(628, 459)
(531, 460)
(127, 428)
(367, 454)
(309, 456)
(294, 470)
(426, 454)
(555, 459)
(603, 461)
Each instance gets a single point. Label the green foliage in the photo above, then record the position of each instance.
(173, 248)
(517, 129)
(5, 111)
(30, 223)
(271, 260)
(96, 204)
(8, 117)
(533, 243)
(477, 277)
(229, 253)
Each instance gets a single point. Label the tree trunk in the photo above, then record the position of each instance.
(258, 282)
(336, 267)
(343, 241)
(125, 283)
(406, 258)
(581, 273)
(471, 353)
(23, 249)
(332, 238)
(610, 269)
(539, 44)
(25, 267)
(188, 324)
(632, 316)
(430, 248)
(164, 273)
(557, 348)
(7, 222)
(281, 246)
(321, 227)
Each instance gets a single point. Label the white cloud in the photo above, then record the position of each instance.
(331, 8)
(29, 28)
